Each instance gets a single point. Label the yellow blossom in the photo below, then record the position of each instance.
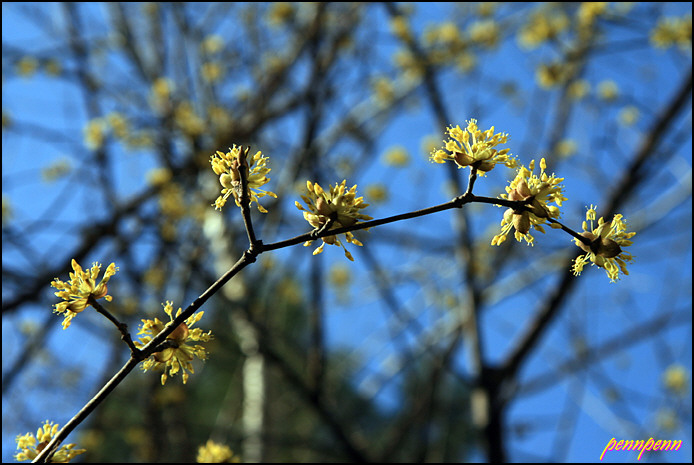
(219, 117)
(673, 31)
(608, 90)
(465, 61)
(578, 89)
(676, 379)
(666, 419)
(383, 90)
(59, 169)
(629, 115)
(160, 95)
(52, 67)
(474, 148)
(377, 193)
(95, 133)
(565, 148)
(162, 88)
(188, 119)
(411, 67)
(444, 33)
(6, 210)
(400, 27)
(213, 452)
(159, 176)
(536, 192)
(552, 74)
(211, 71)
(27, 66)
(485, 33)
(542, 26)
(340, 205)
(119, 125)
(212, 44)
(6, 120)
(31, 446)
(340, 276)
(588, 12)
(605, 248)
(178, 356)
(280, 13)
(396, 156)
(227, 166)
(82, 287)
(139, 139)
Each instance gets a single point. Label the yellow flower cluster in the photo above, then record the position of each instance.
(552, 74)
(536, 192)
(676, 379)
(213, 452)
(606, 242)
(95, 133)
(474, 148)
(340, 205)
(180, 353)
(81, 287)
(673, 31)
(29, 449)
(485, 33)
(228, 165)
(542, 26)
(446, 43)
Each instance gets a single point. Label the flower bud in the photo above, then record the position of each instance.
(78, 305)
(225, 180)
(523, 190)
(462, 159)
(485, 166)
(100, 291)
(163, 356)
(521, 221)
(235, 174)
(515, 195)
(323, 207)
(609, 248)
(538, 209)
(179, 334)
(586, 247)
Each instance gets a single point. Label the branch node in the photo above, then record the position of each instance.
(316, 233)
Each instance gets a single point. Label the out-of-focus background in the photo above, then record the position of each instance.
(432, 345)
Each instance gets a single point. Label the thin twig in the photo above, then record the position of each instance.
(471, 181)
(122, 327)
(245, 196)
(457, 202)
(318, 232)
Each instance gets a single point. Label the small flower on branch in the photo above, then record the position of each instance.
(82, 286)
(605, 248)
(178, 353)
(536, 192)
(31, 446)
(335, 209)
(474, 148)
(228, 167)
